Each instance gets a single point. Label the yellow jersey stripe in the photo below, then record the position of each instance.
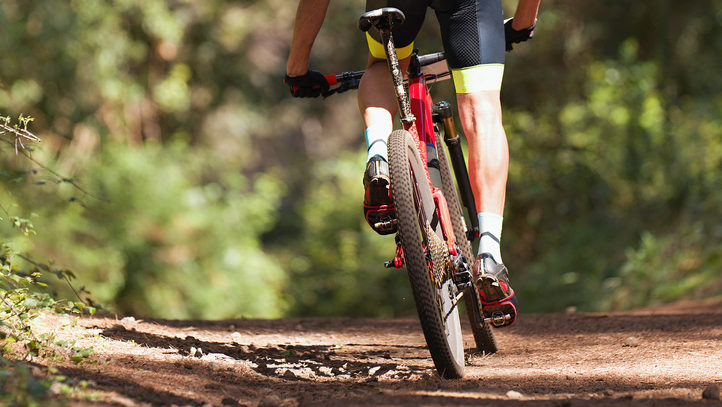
(377, 49)
(478, 78)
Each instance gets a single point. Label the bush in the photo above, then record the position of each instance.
(166, 232)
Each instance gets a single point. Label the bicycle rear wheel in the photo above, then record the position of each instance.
(426, 256)
(483, 336)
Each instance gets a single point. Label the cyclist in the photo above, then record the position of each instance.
(474, 37)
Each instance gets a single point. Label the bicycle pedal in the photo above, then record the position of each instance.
(386, 224)
(498, 319)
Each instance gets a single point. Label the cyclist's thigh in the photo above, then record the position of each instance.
(404, 34)
(473, 36)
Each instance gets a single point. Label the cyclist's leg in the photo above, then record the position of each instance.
(480, 114)
(377, 102)
(473, 35)
(376, 99)
(378, 106)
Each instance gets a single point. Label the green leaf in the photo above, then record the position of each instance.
(38, 388)
(31, 302)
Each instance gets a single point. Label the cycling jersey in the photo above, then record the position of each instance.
(472, 32)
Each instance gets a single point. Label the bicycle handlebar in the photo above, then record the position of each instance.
(350, 80)
(429, 59)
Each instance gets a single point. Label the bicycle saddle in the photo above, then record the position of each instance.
(382, 18)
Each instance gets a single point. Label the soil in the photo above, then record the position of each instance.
(667, 356)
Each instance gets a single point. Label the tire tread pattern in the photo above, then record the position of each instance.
(483, 336)
(425, 292)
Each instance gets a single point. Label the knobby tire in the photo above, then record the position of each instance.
(483, 335)
(443, 335)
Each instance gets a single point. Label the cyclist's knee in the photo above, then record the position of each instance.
(483, 105)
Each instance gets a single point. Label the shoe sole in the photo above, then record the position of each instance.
(378, 192)
(500, 314)
(491, 288)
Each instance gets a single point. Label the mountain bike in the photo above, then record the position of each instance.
(433, 241)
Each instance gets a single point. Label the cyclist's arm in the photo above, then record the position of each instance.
(525, 15)
(309, 18)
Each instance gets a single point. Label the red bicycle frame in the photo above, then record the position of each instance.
(421, 128)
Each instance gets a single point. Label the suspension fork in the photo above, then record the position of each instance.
(442, 115)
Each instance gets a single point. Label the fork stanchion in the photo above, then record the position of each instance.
(443, 111)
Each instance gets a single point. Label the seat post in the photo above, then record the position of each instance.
(398, 78)
(384, 19)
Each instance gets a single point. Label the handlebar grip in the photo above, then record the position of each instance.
(331, 79)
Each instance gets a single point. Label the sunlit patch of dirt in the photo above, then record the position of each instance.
(665, 356)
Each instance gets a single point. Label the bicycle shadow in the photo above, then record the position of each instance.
(304, 362)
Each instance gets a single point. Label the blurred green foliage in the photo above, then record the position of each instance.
(170, 231)
(183, 181)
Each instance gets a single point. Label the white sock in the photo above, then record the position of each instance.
(376, 138)
(490, 230)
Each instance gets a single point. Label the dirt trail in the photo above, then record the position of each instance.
(659, 357)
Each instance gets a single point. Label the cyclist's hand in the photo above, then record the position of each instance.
(312, 84)
(513, 36)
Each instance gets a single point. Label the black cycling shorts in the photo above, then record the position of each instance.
(472, 32)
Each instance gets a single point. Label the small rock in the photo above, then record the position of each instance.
(236, 337)
(374, 370)
(270, 401)
(631, 342)
(288, 374)
(56, 388)
(290, 402)
(712, 392)
(515, 395)
(229, 402)
(127, 321)
(211, 357)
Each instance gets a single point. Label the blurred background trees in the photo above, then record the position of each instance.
(180, 179)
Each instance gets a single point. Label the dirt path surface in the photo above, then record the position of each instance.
(658, 357)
